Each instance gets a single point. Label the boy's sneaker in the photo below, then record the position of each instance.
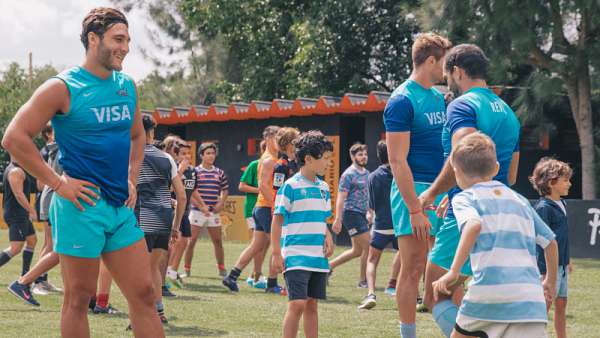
(186, 273)
(390, 291)
(368, 302)
(250, 281)
(22, 292)
(108, 310)
(39, 289)
(261, 283)
(362, 284)
(278, 290)
(230, 284)
(166, 292)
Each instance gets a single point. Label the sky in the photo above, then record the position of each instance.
(50, 29)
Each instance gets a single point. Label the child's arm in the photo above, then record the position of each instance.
(468, 237)
(339, 211)
(276, 242)
(549, 283)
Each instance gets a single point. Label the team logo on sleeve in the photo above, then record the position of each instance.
(278, 179)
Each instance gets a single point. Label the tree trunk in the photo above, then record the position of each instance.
(579, 90)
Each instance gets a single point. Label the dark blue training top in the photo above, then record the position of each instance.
(557, 220)
(380, 182)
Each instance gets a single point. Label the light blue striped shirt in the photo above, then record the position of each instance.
(305, 206)
(506, 284)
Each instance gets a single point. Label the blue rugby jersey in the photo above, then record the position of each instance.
(305, 206)
(94, 136)
(422, 112)
(506, 284)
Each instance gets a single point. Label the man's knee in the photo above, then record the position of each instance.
(77, 298)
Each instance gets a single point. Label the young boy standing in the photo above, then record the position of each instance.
(552, 179)
(299, 235)
(498, 231)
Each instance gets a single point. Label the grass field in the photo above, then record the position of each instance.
(205, 308)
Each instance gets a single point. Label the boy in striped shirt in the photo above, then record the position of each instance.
(499, 232)
(299, 235)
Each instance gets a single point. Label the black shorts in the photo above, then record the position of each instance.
(304, 284)
(185, 228)
(262, 217)
(157, 241)
(355, 223)
(380, 241)
(18, 231)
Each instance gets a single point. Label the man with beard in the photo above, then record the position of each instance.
(476, 108)
(351, 209)
(414, 117)
(98, 128)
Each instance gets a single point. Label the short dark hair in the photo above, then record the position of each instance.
(547, 171)
(356, 147)
(47, 131)
(99, 20)
(149, 122)
(382, 154)
(205, 146)
(468, 57)
(312, 143)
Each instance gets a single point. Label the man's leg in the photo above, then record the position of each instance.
(177, 253)
(156, 257)
(413, 254)
(560, 317)
(216, 237)
(30, 242)
(130, 268)
(258, 260)
(79, 278)
(363, 263)
(42, 266)
(394, 270)
(189, 250)
(359, 244)
(104, 284)
(373, 261)
(258, 243)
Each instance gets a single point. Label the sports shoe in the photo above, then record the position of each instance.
(166, 292)
(250, 281)
(390, 291)
(23, 292)
(177, 281)
(39, 289)
(229, 283)
(50, 287)
(261, 283)
(362, 284)
(222, 273)
(108, 310)
(163, 319)
(278, 290)
(186, 274)
(368, 302)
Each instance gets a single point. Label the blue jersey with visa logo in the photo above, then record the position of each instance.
(422, 112)
(94, 136)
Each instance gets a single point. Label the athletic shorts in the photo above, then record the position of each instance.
(304, 284)
(250, 223)
(484, 329)
(401, 215)
(96, 230)
(199, 219)
(157, 241)
(444, 249)
(262, 219)
(18, 231)
(380, 241)
(185, 227)
(355, 223)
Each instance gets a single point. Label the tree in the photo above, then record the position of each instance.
(557, 38)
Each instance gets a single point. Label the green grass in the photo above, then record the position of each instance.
(205, 308)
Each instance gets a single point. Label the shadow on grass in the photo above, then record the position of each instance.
(192, 331)
(31, 309)
(206, 288)
(336, 300)
(190, 298)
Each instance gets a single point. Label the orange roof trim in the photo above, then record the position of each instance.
(325, 105)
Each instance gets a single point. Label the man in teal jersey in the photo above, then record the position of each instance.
(476, 109)
(414, 117)
(98, 128)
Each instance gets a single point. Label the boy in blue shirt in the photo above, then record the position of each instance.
(299, 235)
(551, 178)
(498, 231)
